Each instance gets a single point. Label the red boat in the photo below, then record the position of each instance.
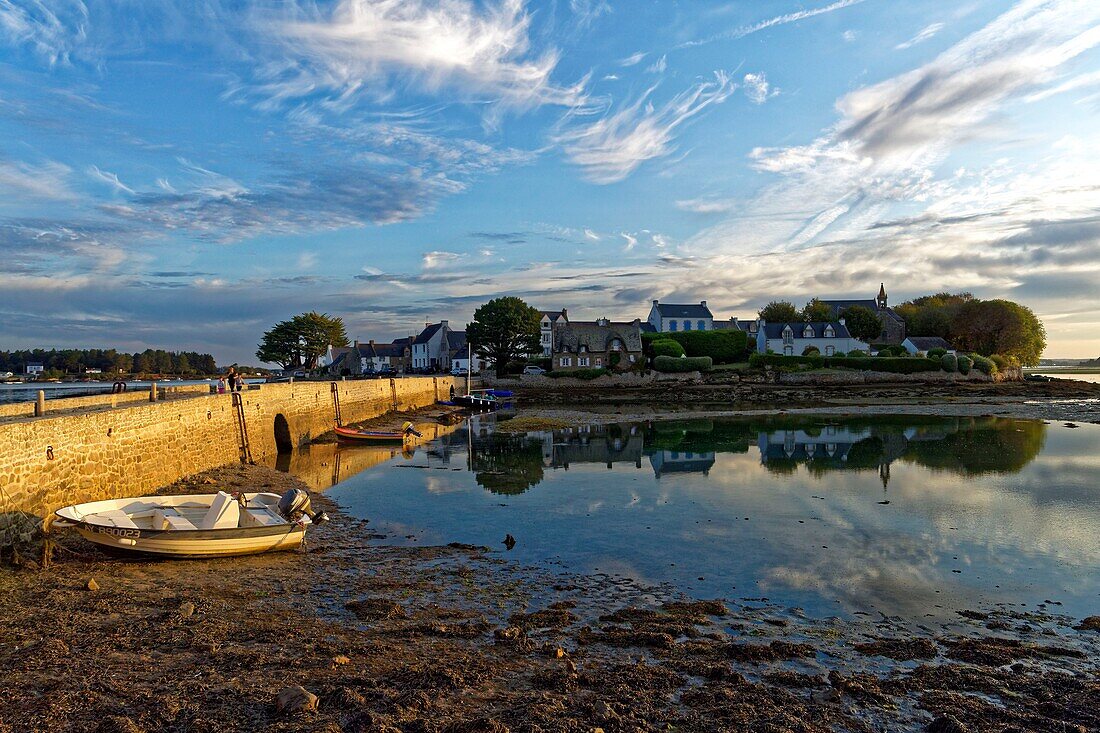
(376, 436)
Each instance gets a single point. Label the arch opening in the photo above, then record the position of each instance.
(283, 442)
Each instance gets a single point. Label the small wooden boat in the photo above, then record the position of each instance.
(477, 401)
(194, 525)
(355, 435)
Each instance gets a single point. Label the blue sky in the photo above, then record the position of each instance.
(183, 175)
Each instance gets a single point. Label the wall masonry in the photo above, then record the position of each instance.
(56, 460)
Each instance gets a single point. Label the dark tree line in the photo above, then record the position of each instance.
(109, 361)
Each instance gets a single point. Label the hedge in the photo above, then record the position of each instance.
(577, 373)
(965, 362)
(950, 363)
(1005, 362)
(937, 352)
(895, 365)
(667, 347)
(984, 365)
(682, 364)
(810, 351)
(726, 346)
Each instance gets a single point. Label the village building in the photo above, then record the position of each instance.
(596, 344)
(672, 317)
(547, 321)
(35, 368)
(924, 344)
(792, 339)
(893, 325)
(430, 348)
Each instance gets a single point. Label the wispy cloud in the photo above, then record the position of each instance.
(49, 180)
(52, 30)
(440, 258)
(784, 19)
(923, 35)
(659, 66)
(610, 148)
(633, 59)
(111, 179)
(757, 88)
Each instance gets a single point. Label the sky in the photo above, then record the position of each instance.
(184, 175)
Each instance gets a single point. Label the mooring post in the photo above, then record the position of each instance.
(40, 404)
(153, 392)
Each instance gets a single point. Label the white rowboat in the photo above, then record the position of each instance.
(191, 525)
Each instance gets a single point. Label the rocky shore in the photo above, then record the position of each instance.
(458, 638)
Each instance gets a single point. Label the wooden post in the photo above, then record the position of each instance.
(40, 404)
(153, 392)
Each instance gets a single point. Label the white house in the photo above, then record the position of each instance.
(924, 344)
(792, 339)
(668, 317)
(547, 322)
(430, 348)
(35, 368)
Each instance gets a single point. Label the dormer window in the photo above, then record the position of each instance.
(829, 332)
(808, 332)
(582, 349)
(788, 335)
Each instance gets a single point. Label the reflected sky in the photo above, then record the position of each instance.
(904, 515)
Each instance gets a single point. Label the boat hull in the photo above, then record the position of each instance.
(367, 436)
(215, 543)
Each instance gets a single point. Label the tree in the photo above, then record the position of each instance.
(1000, 327)
(779, 311)
(932, 315)
(505, 329)
(816, 311)
(301, 340)
(863, 323)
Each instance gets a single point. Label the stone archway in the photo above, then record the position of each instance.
(283, 442)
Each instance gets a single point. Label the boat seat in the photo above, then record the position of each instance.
(260, 516)
(169, 518)
(224, 513)
(115, 518)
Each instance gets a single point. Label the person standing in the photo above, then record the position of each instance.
(221, 385)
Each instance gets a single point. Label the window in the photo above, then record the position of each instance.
(582, 361)
(788, 351)
(672, 325)
(565, 361)
(632, 358)
(687, 325)
(702, 325)
(829, 332)
(830, 350)
(808, 332)
(616, 345)
(788, 336)
(599, 361)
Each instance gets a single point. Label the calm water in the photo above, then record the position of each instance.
(28, 391)
(912, 516)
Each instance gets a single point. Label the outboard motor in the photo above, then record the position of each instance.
(294, 503)
(408, 429)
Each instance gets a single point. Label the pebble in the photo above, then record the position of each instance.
(92, 585)
(187, 609)
(295, 699)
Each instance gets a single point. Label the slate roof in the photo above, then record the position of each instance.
(552, 315)
(775, 330)
(839, 306)
(924, 343)
(683, 310)
(456, 340)
(596, 336)
(426, 335)
(381, 351)
(647, 327)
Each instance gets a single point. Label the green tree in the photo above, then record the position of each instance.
(504, 329)
(863, 323)
(779, 311)
(1000, 327)
(816, 311)
(302, 340)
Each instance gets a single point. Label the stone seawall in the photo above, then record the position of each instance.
(106, 399)
(50, 462)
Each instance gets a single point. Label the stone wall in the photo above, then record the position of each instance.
(53, 461)
(106, 400)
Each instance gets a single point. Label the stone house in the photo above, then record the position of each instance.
(547, 321)
(596, 344)
(430, 348)
(792, 339)
(893, 325)
(670, 317)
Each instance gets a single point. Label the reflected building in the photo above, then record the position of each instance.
(606, 444)
(674, 461)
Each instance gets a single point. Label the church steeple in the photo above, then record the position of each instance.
(881, 299)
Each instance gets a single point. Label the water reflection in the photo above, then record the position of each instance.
(976, 511)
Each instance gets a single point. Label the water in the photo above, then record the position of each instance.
(1080, 376)
(911, 516)
(28, 391)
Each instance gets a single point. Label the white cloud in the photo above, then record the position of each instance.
(53, 30)
(111, 179)
(45, 181)
(659, 66)
(706, 206)
(757, 88)
(631, 241)
(591, 235)
(610, 148)
(440, 258)
(746, 30)
(923, 35)
(849, 36)
(633, 59)
(454, 44)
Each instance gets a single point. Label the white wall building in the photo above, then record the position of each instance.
(792, 339)
(671, 317)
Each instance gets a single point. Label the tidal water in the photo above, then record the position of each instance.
(911, 516)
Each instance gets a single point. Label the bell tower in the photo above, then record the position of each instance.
(881, 299)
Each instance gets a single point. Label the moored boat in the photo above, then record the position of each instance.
(356, 435)
(194, 525)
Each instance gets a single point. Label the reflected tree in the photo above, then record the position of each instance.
(507, 464)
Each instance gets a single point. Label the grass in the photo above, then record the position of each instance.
(531, 424)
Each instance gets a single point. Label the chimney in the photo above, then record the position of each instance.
(443, 323)
(356, 344)
(371, 342)
(565, 314)
(842, 321)
(703, 303)
(655, 304)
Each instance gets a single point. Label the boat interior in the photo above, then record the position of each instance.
(194, 512)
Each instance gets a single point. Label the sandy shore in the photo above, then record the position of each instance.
(459, 638)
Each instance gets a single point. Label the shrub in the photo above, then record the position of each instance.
(614, 359)
(811, 351)
(759, 361)
(965, 362)
(949, 363)
(726, 346)
(585, 374)
(983, 365)
(682, 364)
(1005, 362)
(667, 347)
(937, 353)
(894, 365)
(857, 352)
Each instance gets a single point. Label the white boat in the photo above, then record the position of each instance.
(194, 525)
